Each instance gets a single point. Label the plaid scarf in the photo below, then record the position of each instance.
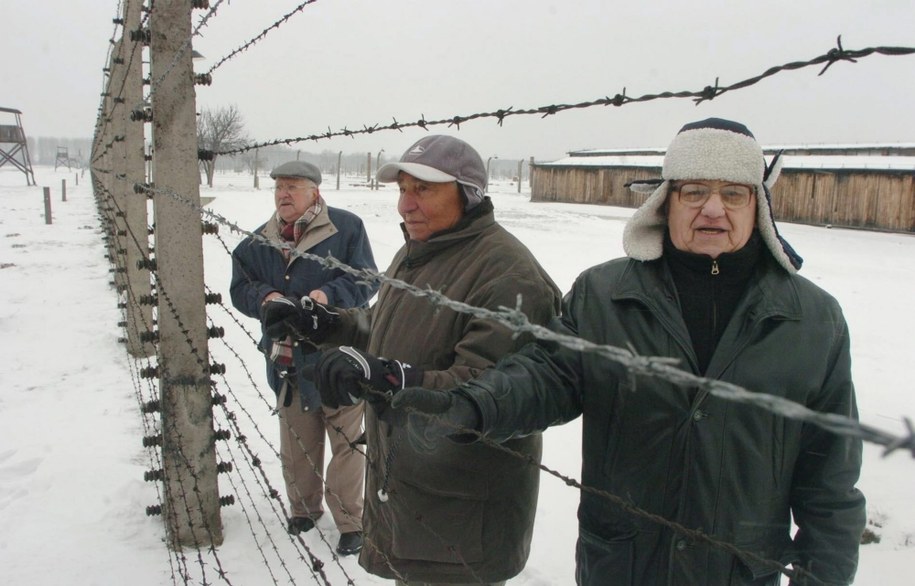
(293, 232)
(281, 352)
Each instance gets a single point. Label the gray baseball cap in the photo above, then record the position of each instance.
(440, 159)
(300, 169)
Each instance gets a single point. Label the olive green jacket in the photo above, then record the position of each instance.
(455, 513)
(733, 472)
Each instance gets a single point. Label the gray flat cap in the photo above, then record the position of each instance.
(302, 169)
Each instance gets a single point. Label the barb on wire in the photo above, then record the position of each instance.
(259, 37)
(707, 93)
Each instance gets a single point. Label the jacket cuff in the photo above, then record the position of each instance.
(412, 377)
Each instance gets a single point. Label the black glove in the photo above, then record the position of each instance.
(345, 375)
(303, 319)
(432, 415)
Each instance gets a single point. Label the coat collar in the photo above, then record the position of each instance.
(771, 293)
(318, 230)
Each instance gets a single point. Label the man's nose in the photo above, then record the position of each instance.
(407, 200)
(713, 206)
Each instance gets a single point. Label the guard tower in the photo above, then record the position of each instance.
(13, 147)
(63, 157)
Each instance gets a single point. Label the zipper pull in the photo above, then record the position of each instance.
(715, 269)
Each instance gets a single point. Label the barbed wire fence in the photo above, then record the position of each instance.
(262, 505)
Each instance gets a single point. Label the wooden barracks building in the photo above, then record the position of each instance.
(856, 186)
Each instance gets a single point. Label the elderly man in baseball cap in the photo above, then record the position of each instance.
(436, 513)
(264, 272)
(440, 178)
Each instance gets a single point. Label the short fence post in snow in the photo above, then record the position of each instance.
(530, 177)
(257, 183)
(339, 160)
(368, 170)
(520, 163)
(47, 205)
(63, 190)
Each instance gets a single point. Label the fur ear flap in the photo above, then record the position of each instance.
(770, 176)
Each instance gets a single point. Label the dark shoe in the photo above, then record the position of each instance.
(350, 543)
(300, 525)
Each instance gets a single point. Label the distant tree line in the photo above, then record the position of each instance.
(223, 128)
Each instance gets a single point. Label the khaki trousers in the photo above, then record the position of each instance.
(302, 436)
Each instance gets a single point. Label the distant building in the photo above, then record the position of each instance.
(860, 186)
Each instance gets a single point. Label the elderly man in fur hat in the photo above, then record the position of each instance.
(710, 284)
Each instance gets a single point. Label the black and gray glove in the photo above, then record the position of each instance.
(303, 319)
(344, 376)
(430, 415)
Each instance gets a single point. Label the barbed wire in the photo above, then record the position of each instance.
(285, 18)
(154, 84)
(698, 536)
(117, 100)
(707, 93)
(624, 504)
(162, 472)
(314, 562)
(655, 366)
(513, 318)
(108, 220)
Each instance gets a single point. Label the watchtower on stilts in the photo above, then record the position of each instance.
(13, 147)
(63, 157)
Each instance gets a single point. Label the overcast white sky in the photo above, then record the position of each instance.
(360, 62)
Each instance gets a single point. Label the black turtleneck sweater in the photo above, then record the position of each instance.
(709, 289)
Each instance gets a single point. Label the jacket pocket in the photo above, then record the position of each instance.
(599, 561)
(744, 573)
(759, 571)
(438, 524)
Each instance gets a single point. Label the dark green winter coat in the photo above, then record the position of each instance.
(735, 472)
(460, 513)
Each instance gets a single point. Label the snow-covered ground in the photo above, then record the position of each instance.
(72, 495)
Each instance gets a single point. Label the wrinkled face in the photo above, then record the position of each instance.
(293, 196)
(720, 223)
(426, 207)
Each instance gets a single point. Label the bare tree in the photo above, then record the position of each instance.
(219, 129)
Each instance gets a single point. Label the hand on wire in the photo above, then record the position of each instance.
(345, 375)
(303, 319)
(430, 415)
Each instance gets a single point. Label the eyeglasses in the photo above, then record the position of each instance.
(733, 196)
(289, 188)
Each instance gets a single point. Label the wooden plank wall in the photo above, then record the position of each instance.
(597, 185)
(857, 199)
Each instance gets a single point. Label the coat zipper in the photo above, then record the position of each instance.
(715, 269)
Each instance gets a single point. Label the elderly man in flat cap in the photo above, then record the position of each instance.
(267, 268)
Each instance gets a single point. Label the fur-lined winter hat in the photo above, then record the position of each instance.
(709, 149)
